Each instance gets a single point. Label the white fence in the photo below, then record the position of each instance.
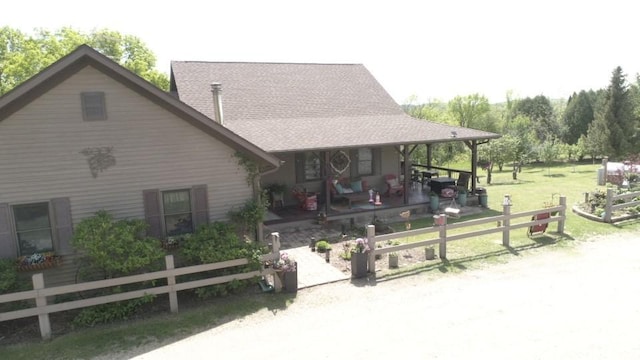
(40, 293)
(442, 230)
(609, 207)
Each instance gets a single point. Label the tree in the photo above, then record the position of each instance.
(22, 55)
(613, 130)
(540, 110)
(577, 117)
(468, 110)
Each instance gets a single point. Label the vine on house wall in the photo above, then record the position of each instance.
(250, 166)
(254, 211)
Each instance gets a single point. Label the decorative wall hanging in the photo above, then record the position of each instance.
(340, 162)
(99, 159)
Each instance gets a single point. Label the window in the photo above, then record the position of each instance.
(312, 166)
(33, 228)
(177, 212)
(93, 106)
(365, 161)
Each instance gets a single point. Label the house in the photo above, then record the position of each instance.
(86, 134)
(324, 121)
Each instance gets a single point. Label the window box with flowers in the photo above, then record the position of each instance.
(287, 269)
(38, 261)
(173, 242)
(359, 258)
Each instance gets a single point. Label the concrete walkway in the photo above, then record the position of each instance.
(312, 269)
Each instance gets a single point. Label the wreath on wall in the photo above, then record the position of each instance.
(340, 162)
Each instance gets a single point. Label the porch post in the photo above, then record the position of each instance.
(407, 175)
(474, 165)
(327, 186)
(429, 155)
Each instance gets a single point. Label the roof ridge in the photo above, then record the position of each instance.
(262, 62)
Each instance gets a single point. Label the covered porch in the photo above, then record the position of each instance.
(416, 200)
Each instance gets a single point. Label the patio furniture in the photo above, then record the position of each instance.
(538, 229)
(393, 185)
(440, 183)
(306, 200)
(350, 190)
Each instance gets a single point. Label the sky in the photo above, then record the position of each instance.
(419, 50)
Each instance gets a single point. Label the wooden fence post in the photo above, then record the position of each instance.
(371, 240)
(171, 281)
(607, 207)
(41, 301)
(275, 249)
(563, 212)
(442, 247)
(506, 224)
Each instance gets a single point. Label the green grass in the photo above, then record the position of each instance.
(109, 339)
(534, 187)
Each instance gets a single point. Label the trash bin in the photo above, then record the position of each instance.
(482, 197)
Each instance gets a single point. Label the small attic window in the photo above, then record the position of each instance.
(93, 106)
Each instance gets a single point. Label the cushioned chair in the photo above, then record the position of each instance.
(393, 185)
(463, 181)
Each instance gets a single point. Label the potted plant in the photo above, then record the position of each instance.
(359, 263)
(434, 201)
(393, 260)
(462, 197)
(287, 269)
(323, 246)
(276, 190)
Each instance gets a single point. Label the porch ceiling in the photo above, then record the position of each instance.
(295, 134)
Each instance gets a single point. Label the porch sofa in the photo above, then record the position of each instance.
(349, 190)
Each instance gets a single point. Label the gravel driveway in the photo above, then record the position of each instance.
(582, 303)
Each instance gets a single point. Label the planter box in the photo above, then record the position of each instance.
(359, 265)
(41, 266)
(289, 281)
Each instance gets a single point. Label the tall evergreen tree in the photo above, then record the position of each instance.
(577, 117)
(616, 117)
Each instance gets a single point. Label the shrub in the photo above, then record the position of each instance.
(323, 246)
(113, 249)
(116, 248)
(219, 242)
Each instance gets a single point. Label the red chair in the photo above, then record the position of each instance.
(538, 229)
(393, 185)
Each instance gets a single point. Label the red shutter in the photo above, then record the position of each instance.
(200, 206)
(8, 246)
(152, 213)
(62, 226)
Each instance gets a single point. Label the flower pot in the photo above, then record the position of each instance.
(393, 261)
(434, 203)
(462, 198)
(359, 264)
(429, 253)
(289, 281)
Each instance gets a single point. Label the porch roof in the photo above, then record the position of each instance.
(283, 107)
(290, 134)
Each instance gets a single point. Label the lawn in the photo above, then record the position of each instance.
(536, 184)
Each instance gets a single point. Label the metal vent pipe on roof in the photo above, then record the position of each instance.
(216, 90)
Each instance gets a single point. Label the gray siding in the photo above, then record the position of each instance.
(41, 144)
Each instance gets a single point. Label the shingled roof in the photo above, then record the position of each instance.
(284, 107)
